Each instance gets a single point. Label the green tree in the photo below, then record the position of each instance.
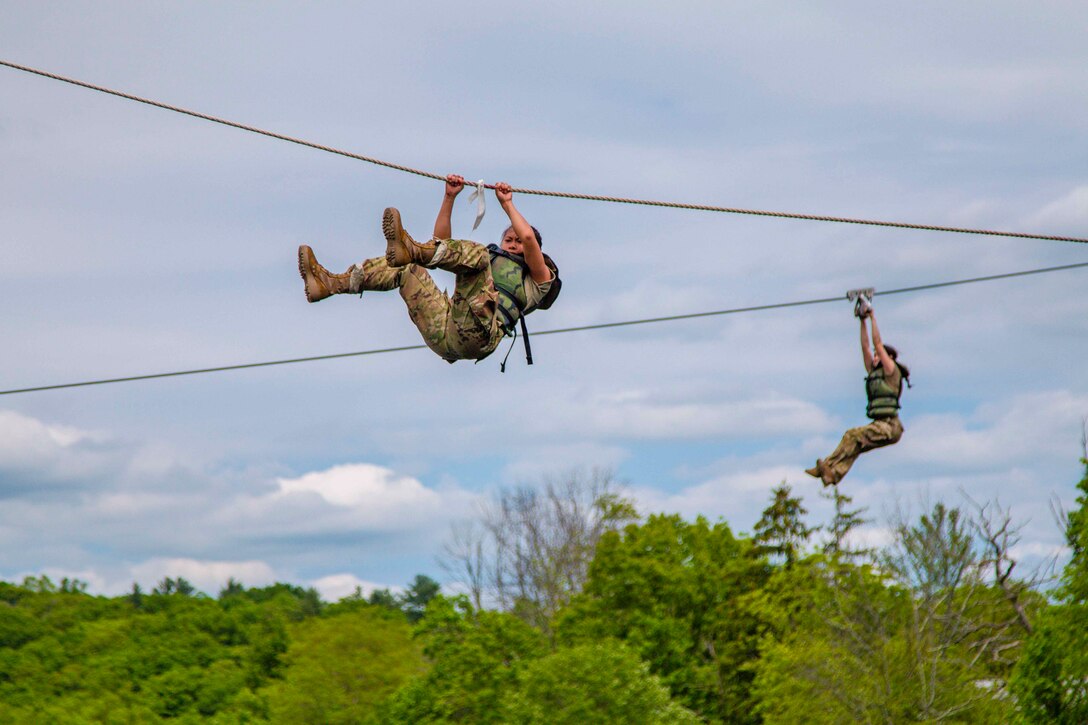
(590, 684)
(1075, 574)
(180, 586)
(339, 668)
(233, 588)
(419, 593)
(1050, 679)
(920, 637)
(780, 530)
(95, 659)
(384, 598)
(844, 522)
(474, 655)
(672, 591)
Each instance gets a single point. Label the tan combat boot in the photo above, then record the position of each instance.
(320, 282)
(401, 249)
(820, 471)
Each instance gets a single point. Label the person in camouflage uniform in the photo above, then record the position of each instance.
(883, 386)
(467, 325)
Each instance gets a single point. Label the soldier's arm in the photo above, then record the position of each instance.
(443, 228)
(882, 355)
(530, 249)
(866, 356)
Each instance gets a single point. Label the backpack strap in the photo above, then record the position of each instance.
(528, 349)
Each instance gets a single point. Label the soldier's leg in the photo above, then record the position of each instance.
(474, 327)
(428, 307)
(854, 442)
(375, 275)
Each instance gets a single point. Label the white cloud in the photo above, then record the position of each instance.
(334, 587)
(179, 254)
(998, 435)
(207, 576)
(26, 441)
(733, 496)
(362, 484)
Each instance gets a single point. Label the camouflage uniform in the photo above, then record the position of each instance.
(856, 441)
(883, 393)
(465, 326)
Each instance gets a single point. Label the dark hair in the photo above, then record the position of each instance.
(536, 233)
(894, 355)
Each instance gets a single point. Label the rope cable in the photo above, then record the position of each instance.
(563, 330)
(540, 192)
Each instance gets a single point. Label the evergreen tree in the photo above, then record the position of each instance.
(421, 591)
(780, 530)
(845, 521)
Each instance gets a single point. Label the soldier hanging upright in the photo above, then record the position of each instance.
(883, 386)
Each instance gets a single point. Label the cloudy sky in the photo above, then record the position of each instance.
(139, 241)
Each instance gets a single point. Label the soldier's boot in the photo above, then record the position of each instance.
(320, 282)
(400, 248)
(820, 471)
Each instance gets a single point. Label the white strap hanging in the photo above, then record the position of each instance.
(478, 197)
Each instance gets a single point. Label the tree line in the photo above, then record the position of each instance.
(577, 610)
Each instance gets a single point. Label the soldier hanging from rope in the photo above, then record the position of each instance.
(496, 285)
(883, 386)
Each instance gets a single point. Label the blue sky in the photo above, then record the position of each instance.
(139, 241)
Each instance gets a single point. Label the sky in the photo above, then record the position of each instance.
(140, 241)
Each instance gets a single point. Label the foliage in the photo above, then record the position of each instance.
(69, 657)
(664, 621)
(1051, 679)
(474, 654)
(597, 683)
(671, 591)
(338, 668)
(780, 530)
(1075, 575)
(920, 637)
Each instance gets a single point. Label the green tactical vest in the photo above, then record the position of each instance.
(509, 277)
(883, 398)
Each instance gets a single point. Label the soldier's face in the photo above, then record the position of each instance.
(510, 242)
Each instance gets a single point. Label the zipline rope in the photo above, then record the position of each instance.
(580, 328)
(539, 192)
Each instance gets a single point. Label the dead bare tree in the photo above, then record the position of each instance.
(530, 549)
(463, 558)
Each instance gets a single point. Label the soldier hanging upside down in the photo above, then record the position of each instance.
(883, 387)
(495, 287)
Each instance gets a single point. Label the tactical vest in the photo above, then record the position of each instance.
(508, 272)
(883, 398)
(509, 277)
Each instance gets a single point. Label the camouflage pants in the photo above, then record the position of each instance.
(465, 326)
(856, 441)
